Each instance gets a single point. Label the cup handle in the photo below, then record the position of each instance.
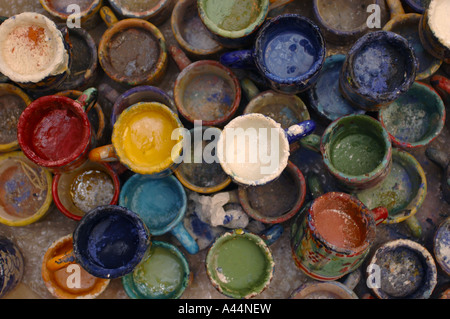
(278, 3)
(108, 16)
(88, 98)
(395, 8)
(380, 214)
(179, 57)
(242, 59)
(61, 261)
(414, 226)
(183, 236)
(103, 153)
(300, 130)
(271, 234)
(249, 88)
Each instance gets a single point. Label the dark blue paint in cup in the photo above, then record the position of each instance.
(379, 67)
(289, 52)
(110, 241)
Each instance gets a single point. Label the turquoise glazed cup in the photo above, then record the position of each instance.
(163, 274)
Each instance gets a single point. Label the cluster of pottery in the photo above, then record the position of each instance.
(61, 159)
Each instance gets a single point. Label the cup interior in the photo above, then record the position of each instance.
(162, 274)
(207, 91)
(381, 64)
(253, 149)
(110, 241)
(79, 191)
(53, 131)
(243, 279)
(415, 118)
(355, 145)
(134, 142)
(233, 19)
(289, 48)
(161, 203)
(341, 221)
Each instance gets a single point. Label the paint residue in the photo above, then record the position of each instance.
(233, 15)
(438, 20)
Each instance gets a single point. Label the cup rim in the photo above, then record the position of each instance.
(211, 26)
(436, 130)
(116, 137)
(93, 7)
(243, 181)
(368, 176)
(366, 218)
(133, 292)
(259, 59)
(99, 213)
(33, 109)
(138, 179)
(259, 242)
(146, 14)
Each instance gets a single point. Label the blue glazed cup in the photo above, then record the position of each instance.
(109, 242)
(11, 265)
(289, 52)
(161, 203)
(378, 68)
(253, 149)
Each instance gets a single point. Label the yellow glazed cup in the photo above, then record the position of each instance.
(142, 140)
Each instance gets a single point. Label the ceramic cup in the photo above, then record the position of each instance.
(155, 12)
(357, 151)
(325, 97)
(433, 29)
(277, 201)
(11, 265)
(380, 66)
(95, 114)
(288, 52)
(402, 192)
(25, 192)
(108, 242)
(39, 55)
(195, 172)
(54, 131)
(205, 90)
(60, 282)
(84, 67)
(92, 184)
(60, 10)
(234, 23)
(406, 270)
(133, 141)
(253, 149)
(146, 63)
(192, 36)
(334, 236)
(406, 25)
(163, 274)
(246, 278)
(418, 6)
(12, 103)
(349, 24)
(416, 118)
(440, 158)
(141, 93)
(441, 244)
(161, 203)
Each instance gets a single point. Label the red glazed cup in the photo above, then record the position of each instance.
(55, 132)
